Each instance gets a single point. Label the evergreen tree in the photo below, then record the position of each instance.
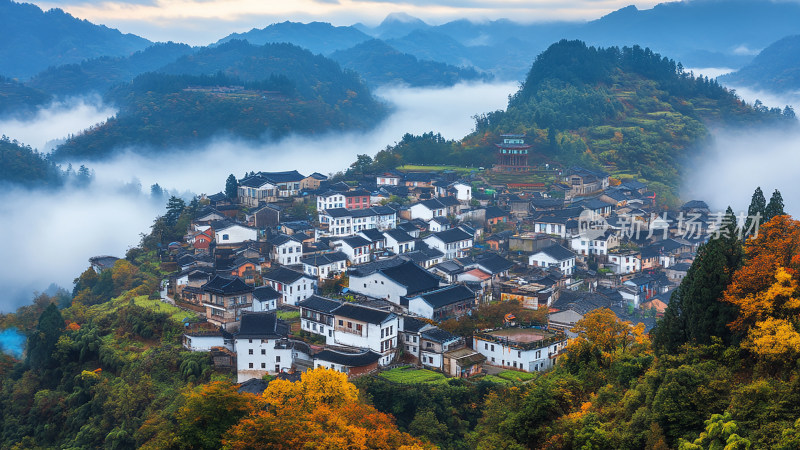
(42, 341)
(156, 192)
(231, 187)
(175, 207)
(774, 207)
(695, 312)
(756, 211)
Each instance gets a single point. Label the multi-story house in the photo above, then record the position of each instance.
(225, 299)
(454, 243)
(292, 285)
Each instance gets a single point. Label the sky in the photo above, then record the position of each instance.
(200, 22)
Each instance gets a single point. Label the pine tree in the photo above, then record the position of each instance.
(695, 312)
(42, 341)
(774, 207)
(756, 211)
(231, 187)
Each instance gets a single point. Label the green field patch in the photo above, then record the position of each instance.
(288, 315)
(514, 375)
(410, 375)
(424, 168)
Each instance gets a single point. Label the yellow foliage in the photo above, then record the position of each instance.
(773, 339)
(318, 386)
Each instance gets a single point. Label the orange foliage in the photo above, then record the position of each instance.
(73, 326)
(319, 411)
(766, 285)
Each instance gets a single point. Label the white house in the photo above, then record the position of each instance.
(391, 280)
(427, 209)
(235, 234)
(356, 248)
(388, 179)
(463, 191)
(293, 286)
(454, 243)
(438, 224)
(346, 222)
(362, 327)
(316, 315)
(286, 250)
(433, 343)
(554, 256)
(526, 349)
(325, 265)
(330, 200)
(202, 337)
(627, 262)
(600, 245)
(265, 298)
(398, 241)
(442, 304)
(262, 347)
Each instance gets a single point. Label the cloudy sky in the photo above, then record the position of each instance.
(204, 21)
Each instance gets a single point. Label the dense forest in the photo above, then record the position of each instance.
(99, 74)
(235, 89)
(378, 63)
(21, 165)
(17, 99)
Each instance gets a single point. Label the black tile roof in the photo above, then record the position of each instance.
(412, 325)
(438, 335)
(422, 254)
(493, 263)
(283, 275)
(264, 293)
(413, 277)
(558, 252)
(452, 235)
(355, 241)
(493, 212)
(320, 304)
(324, 259)
(262, 325)
(373, 234)
(362, 314)
(227, 286)
(448, 296)
(369, 268)
(348, 359)
(399, 235)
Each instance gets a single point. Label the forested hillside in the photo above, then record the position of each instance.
(237, 90)
(32, 40)
(18, 99)
(98, 74)
(776, 68)
(378, 63)
(22, 165)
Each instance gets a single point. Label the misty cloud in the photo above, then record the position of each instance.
(50, 235)
(739, 161)
(56, 122)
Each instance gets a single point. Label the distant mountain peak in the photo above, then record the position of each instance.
(401, 17)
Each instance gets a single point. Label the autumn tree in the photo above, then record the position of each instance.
(321, 410)
(601, 335)
(209, 410)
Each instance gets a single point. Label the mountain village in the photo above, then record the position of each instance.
(364, 281)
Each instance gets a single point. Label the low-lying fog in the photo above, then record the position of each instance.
(738, 161)
(49, 236)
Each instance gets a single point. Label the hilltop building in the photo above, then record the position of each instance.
(512, 154)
